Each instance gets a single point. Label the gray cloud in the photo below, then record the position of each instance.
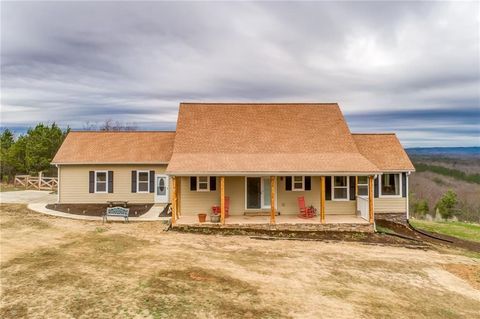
(87, 61)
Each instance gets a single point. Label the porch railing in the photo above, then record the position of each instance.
(362, 206)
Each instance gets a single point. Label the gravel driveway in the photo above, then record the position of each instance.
(28, 197)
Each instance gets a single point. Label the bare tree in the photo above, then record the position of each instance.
(109, 125)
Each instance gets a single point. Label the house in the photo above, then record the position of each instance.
(261, 156)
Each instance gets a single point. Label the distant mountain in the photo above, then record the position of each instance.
(474, 150)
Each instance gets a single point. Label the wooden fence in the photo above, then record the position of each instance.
(36, 182)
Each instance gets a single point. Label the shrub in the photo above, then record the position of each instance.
(421, 208)
(447, 204)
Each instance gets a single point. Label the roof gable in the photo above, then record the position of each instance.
(262, 128)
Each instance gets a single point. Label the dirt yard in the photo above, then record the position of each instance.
(59, 268)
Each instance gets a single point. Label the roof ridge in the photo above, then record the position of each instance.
(381, 133)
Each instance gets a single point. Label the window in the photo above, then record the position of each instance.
(101, 181)
(143, 181)
(298, 183)
(362, 185)
(340, 187)
(390, 185)
(203, 183)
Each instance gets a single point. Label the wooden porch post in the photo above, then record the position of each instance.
(174, 200)
(222, 200)
(356, 194)
(272, 200)
(322, 199)
(370, 199)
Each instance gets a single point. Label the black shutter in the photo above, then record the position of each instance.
(375, 186)
(328, 187)
(91, 182)
(404, 184)
(308, 183)
(110, 181)
(134, 181)
(193, 183)
(288, 183)
(352, 187)
(152, 181)
(213, 183)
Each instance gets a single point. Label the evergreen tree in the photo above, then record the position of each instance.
(447, 204)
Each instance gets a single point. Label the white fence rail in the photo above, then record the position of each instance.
(362, 206)
(36, 182)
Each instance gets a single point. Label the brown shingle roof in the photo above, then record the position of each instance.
(258, 137)
(115, 147)
(384, 150)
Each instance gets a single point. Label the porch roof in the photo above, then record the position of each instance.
(231, 164)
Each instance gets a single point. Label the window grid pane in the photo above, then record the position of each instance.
(340, 193)
(340, 181)
(391, 184)
(101, 176)
(362, 190)
(142, 187)
(101, 187)
(362, 180)
(143, 176)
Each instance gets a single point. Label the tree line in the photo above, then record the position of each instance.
(29, 153)
(33, 152)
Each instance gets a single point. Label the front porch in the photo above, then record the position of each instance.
(242, 202)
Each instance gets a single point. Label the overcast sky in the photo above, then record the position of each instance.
(411, 68)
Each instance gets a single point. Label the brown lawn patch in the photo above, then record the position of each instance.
(84, 269)
(470, 273)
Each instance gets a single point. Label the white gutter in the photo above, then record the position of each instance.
(271, 173)
(113, 163)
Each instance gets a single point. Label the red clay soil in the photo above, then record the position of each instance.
(434, 238)
(97, 209)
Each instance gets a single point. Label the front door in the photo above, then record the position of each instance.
(161, 189)
(257, 192)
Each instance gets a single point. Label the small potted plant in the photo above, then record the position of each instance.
(215, 216)
(202, 217)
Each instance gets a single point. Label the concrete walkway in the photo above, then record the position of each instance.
(27, 197)
(150, 216)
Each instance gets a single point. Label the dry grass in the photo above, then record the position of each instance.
(82, 269)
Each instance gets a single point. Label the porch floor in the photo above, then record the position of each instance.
(282, 219)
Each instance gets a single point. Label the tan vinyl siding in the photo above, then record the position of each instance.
(340, 207)
(74, 184)
(235, 189)
(287, 200)
(193, 202)
(390, 205)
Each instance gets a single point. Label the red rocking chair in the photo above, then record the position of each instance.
(217, 209)
(305, 212)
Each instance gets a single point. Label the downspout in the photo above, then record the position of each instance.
(374, 224)
(407, 196)
(58, 183)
